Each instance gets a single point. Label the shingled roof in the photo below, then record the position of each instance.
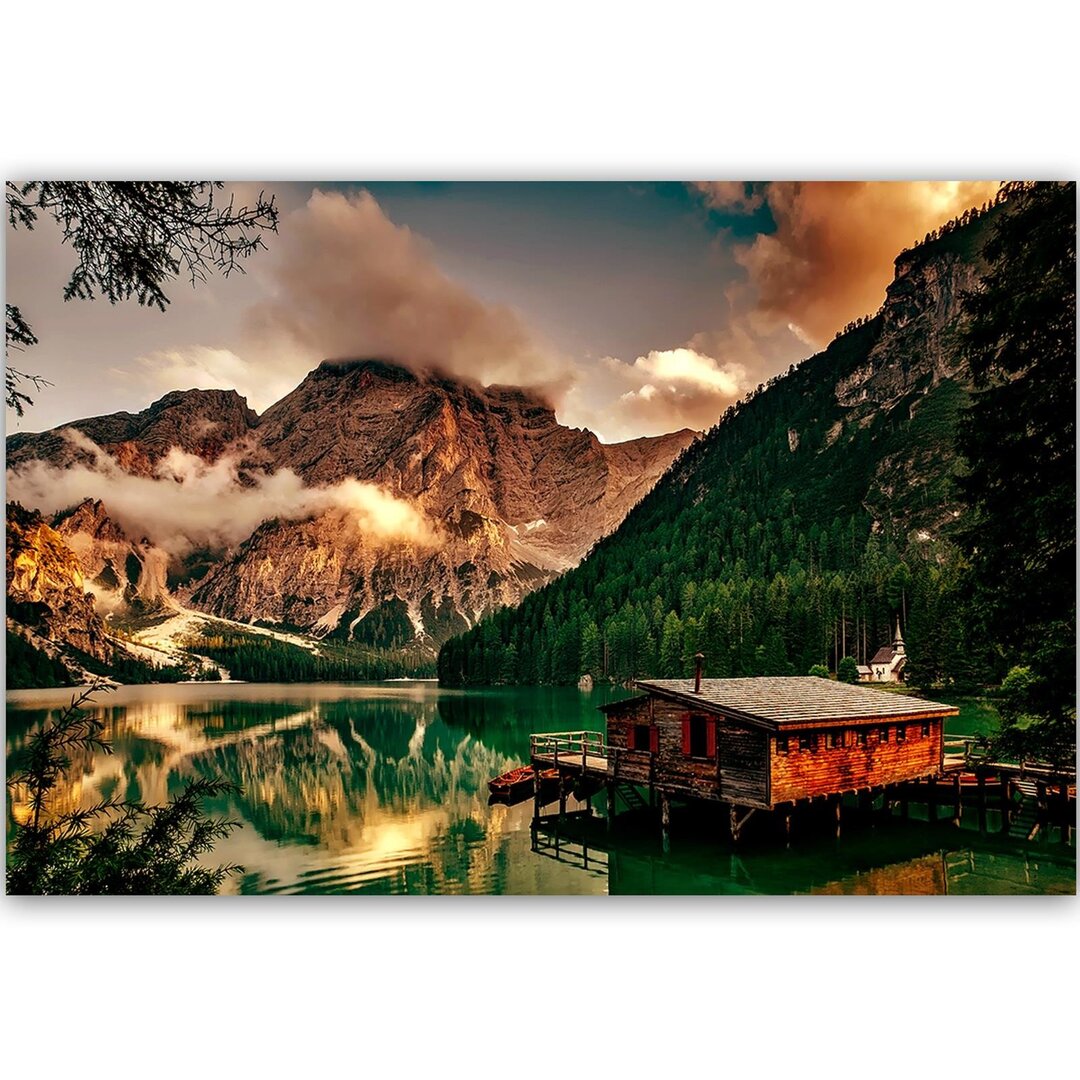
(884, 655)
(795, 700)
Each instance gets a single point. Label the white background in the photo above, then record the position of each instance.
(770, 987)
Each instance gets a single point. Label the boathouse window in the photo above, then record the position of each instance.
(861, 736)
(834, 740)
(926, 731)
(642, 737)
(781, 744)
(883, 734)
(807, 742)
(699, 737)
(901, 732)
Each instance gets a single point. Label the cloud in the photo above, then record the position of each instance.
(662, 391)
(349, 283)
(738, 196)
(346, 282)
(189, 503)
(831, 256)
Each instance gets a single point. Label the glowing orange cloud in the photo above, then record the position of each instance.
(831, 256)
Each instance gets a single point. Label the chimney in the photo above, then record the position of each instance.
(699, 659)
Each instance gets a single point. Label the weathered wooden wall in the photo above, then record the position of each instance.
(801, 774)
(737, 773)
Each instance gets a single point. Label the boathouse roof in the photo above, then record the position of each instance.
(794, 700)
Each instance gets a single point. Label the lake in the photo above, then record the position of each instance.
(382, 788)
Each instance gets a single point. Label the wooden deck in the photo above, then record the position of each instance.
(587, 765)
(579, 753)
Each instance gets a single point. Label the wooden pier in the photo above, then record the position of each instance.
(1027, 795)
(580, 753)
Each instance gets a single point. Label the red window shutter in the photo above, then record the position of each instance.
(654, 739)
(686, 734)
(710, 738)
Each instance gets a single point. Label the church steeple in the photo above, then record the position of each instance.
(898, 641)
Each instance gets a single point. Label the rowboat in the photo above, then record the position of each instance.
(519, 784)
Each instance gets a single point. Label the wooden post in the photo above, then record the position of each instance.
(956, 800)
(837, 803)
(665, 820)
(787, 826)
(733, 823)
(610, 805)
(537, 805)
(982, 800)
(562, 795)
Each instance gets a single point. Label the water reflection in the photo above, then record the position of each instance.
(342, 788)
(384, 789)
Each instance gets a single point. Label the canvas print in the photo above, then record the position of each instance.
(541, 538)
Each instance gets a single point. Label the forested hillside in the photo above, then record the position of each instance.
(799, 529)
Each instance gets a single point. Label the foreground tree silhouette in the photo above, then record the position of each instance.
(140, 850)
(130, 239)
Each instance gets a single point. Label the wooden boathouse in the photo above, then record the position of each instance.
(755, 744)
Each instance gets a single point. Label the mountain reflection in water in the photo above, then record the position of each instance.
(383, 788)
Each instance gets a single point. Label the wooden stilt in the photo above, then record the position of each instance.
(562, 795)
(956, 799)
(837, 804)
(610, 790)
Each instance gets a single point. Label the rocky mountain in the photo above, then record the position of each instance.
(509, 499)
(46, 599)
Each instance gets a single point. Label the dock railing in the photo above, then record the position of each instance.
(569, 747)
(972, 753)
(969, 748)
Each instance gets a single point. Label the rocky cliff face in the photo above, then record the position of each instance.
(45, 593)
(117, 570)
(512, 498)
(915, 344)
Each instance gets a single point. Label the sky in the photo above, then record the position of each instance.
(634, 308)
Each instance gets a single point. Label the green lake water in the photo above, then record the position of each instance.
(382, 788)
